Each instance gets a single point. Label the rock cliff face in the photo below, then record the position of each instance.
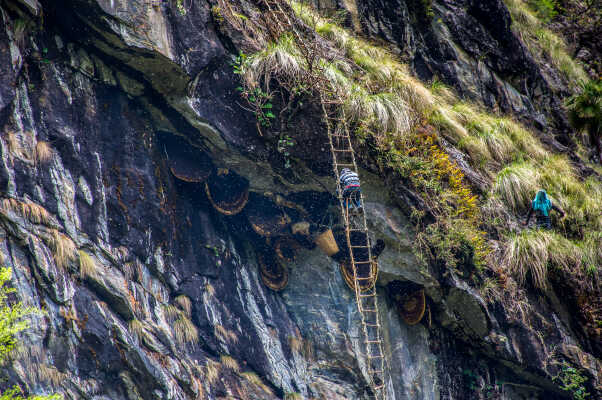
(469, 45)
(150, 293)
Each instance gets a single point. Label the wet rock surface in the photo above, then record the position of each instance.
(150, 292)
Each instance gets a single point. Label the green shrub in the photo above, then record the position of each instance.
(546, 9)
(13, 320)
(572, 381)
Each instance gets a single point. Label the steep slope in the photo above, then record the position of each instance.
(124, 134)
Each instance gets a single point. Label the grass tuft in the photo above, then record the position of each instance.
(87, 266)
(295, 344)
(35, 213)
(209, 289)
(230, 363)
(171, 312)
(43, 152)
(516, 184)
(136, 327)
(185, 304)
(185, 331)
(63, 249)
(530, 253)
(254, 379)
(278, 58)
(224, 334)
(212, 371)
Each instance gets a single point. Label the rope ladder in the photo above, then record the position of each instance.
(356, 227)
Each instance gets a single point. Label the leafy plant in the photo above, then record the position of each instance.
(546, 9)
(285, 143)
(13, 320)
(181, 8)
(572, 380)
(585, 112)
(257, 98)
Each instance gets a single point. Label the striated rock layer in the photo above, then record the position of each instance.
(150, 293)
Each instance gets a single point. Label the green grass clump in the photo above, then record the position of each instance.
(530, 253)
(185, 331)
(87, 265)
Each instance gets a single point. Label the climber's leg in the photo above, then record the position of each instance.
(358, 200)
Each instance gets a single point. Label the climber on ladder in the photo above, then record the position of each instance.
(350, 184)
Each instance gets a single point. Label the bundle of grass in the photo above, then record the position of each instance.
(43, 152)
(295, 344)
(280, 59)
(185, 331)
(491, 290)
(87, 266)
(63, 249)
(230, 363)
(516, 185)
(255, 380)
(184, 303)
(531, 253)
(171, 312)
(224, 334)
(209, 289)
(212, 369)
(136, 327)
(26, 209)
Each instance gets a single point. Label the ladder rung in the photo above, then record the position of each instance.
(362, 262)
(369, 310)
(360, 247)
(373, 325)
(371, 341)
(368, 295)
(345, 165)
(360, 278)
(343, 150)
(379, 387)
(345, 136)
(378, 356)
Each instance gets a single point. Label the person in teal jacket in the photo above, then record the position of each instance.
(541, 206)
